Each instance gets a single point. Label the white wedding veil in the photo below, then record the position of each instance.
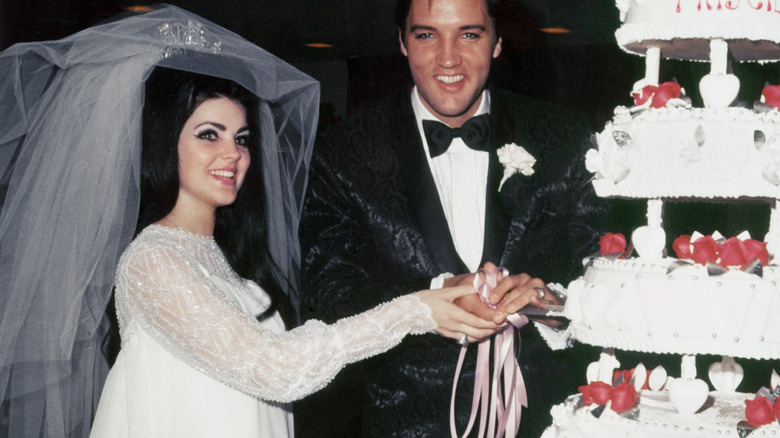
(70, 147)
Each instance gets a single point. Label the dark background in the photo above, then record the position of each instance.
(582, 69)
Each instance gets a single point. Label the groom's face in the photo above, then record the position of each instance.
(450, 45)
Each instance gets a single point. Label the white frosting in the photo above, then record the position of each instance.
(657, 418)
(683, 28)
(659, 304)
(688, 152)
(638, 305)
(726, 375)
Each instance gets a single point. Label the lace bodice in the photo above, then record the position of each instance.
(179, 288)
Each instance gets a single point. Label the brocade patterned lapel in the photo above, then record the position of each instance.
(424, 200)
(424, 203)
(514, 122)
(497, 216)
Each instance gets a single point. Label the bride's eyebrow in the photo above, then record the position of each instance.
(219, 126)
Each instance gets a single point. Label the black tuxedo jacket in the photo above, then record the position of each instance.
(373, 228)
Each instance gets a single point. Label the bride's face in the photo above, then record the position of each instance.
(213, 154)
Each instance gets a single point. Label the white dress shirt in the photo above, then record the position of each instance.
(460, 175)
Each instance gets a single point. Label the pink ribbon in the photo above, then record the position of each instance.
(497, 414)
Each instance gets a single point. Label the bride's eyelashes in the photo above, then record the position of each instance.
(209, 134)
(243, 138)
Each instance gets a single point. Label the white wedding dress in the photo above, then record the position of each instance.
(196, 363)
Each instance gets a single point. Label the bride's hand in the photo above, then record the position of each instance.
(452, 321)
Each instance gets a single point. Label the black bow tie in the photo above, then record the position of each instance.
(475, 133)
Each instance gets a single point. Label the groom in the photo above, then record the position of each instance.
(394, 205)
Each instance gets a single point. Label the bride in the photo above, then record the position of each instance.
(227, 131)
(194, 360)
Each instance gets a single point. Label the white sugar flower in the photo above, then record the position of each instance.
(515, 159)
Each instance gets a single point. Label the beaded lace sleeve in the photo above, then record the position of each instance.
(163, 289)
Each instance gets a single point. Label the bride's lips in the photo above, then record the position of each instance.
(225, 176)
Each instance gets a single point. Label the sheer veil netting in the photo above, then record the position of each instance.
(70, 134)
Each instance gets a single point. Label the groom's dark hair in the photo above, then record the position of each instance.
(494, 8)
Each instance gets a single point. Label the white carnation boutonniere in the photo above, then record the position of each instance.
(515, 159)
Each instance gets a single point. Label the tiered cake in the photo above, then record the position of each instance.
(664, 148)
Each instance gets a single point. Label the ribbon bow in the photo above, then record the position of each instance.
(475, 133)
(504, 413)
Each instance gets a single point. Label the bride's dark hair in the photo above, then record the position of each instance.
(171, 96)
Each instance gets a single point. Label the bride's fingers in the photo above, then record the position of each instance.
(462, 322)
(463, 317)
(453, 293)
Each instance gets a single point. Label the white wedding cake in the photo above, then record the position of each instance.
(718, 296)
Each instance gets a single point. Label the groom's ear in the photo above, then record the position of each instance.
(402, 43)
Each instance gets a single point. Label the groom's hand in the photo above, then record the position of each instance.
(472, 304)
(515, 292)
(511, 294)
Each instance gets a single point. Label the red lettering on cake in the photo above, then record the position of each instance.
(732, 5)
(678, 9)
